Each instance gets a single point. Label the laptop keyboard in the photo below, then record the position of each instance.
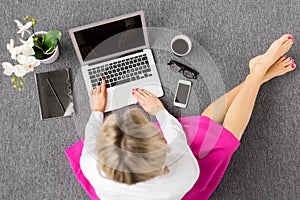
(120, 72)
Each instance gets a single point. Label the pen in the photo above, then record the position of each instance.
(55, 94)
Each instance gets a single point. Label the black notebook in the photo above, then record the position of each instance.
(55, 94)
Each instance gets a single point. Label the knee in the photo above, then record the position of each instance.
(207, 113)
(234, 130)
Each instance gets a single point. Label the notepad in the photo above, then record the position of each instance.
(55, 94)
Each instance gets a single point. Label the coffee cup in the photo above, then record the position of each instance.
(181, 45)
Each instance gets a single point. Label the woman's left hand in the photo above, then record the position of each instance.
(149, 102)
(98, 98)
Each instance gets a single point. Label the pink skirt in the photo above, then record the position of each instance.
(213, 146)
(211, 143)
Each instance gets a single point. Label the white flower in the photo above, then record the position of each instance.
(23, 28)
(8, 68)
(27, 49)
(13, 50)
(19, 70)
(29, 62)
(26, 65)
(28, 42)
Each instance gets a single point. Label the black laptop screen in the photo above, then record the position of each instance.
(107, 39)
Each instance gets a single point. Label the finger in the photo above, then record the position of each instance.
(94, 92)
(98, 90)
(138, 96)
(103, 85)
(139, 100)
(146, 92)
(142, 91)
(139, 91)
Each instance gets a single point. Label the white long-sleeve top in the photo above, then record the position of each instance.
(183, 167)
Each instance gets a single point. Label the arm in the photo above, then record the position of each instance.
(98, 98)
(92, 129)
(152, 105)
(171, 128)
(174, 134)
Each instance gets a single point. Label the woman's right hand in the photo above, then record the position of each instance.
(98, 98)
(149, 102)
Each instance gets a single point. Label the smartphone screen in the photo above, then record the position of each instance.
(182, 93)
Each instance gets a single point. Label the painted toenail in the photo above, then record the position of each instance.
(291, 37)
(293, 60)
(293, 66)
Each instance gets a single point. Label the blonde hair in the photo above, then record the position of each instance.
(130, 149)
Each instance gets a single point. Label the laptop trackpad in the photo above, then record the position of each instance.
(122, 96)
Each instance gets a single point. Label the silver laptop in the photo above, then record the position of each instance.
(117, 49)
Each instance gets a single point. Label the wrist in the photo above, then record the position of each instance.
(161, 114)
(157, 109)
(98, 110)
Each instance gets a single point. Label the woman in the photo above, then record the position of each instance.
(126, 157)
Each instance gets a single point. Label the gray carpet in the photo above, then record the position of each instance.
(266, 166)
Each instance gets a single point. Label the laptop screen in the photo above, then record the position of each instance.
(110, 38)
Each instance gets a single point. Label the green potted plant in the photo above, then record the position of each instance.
(45, 43)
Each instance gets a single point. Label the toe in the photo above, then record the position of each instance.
(288, 44)
(287, 69)
(286, 37)
(282, 58)
(281, 61)
(290, 37)
(284, 62)
(289, 61)
(291, 67)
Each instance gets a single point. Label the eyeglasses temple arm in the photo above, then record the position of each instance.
(184, 66)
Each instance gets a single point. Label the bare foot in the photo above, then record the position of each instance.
(277, 49)
(279, 68)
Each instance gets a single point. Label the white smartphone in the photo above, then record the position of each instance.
(182, 93)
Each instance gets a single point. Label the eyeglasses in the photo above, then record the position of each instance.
(185, 70)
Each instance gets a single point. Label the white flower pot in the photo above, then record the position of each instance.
(53, 57)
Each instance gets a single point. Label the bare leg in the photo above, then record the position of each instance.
(240, 110)
(218, 109)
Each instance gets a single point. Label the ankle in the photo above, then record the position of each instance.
(256, 76)
(259, 71)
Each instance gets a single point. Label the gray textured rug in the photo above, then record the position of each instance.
(266, 166)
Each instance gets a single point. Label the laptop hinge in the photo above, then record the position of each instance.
(130, 53)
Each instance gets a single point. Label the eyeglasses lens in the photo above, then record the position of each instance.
(188, 74)
(175, 67)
